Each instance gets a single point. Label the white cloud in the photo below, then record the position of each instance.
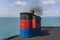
(17, 3)
(57, 11)
(20, 3)
(49, 2)
(51, 13)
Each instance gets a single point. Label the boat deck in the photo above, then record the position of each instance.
(48, 33)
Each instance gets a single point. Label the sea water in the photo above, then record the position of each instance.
(50, 21)
(9, 26)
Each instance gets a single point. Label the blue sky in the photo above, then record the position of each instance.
(12, 8)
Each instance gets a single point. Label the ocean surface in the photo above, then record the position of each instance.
(9, 26)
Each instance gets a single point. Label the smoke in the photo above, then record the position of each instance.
(36, 8)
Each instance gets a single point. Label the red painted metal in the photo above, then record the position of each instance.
(25, 24)
(34, 24)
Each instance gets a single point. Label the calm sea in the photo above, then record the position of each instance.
(9, 26)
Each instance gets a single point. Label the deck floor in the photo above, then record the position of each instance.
(47, 34)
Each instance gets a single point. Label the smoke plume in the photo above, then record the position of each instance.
(36, 8)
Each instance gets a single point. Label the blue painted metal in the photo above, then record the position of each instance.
(29, 32)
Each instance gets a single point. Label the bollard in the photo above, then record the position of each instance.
(30, 25)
